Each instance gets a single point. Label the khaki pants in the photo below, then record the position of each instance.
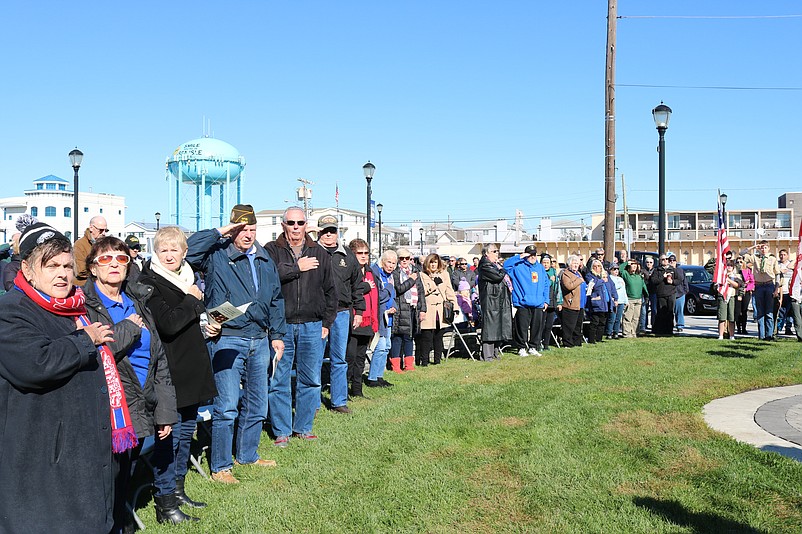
(632, 318)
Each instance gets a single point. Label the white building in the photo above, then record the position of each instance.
(51, 201)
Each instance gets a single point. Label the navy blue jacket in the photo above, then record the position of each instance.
(229, 278)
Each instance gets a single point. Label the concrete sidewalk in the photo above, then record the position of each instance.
(769, 419)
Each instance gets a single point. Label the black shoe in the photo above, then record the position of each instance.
(373, 383)
(167, 510)
(384, 383)
(341, 409)
(181, 496)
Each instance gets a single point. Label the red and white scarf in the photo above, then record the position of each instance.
(123, 436)
(411, 296)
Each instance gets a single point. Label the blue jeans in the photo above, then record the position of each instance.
(679, 311)
(614, 320)
(379, 359)
(235, 361)
(171, 455)
(302, 346)
(401, 345)
(338, 368)
(764, 309)
(785, 315)
(644, 310)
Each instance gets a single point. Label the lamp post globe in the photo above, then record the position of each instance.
(723, 199)
(158, 218)
(76, 157)
(661, 115)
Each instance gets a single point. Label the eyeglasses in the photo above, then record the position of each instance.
(361, 252)
(107, 259)
(402, 258)
(463, 264)
(492, 251)
(101, 230)
(295, 223)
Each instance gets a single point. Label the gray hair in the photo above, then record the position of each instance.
(388, 255)
(292, 208)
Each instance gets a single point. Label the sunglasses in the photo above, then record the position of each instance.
(402, 258)
(295, 223)
(107, 259)
(101, 230)
(463, 264)
(361, 252)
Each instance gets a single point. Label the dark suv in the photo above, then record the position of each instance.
(699, 298)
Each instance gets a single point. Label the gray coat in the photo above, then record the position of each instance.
(55, 431)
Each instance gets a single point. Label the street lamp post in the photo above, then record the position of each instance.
(723, 199)
(421, 241)
(379, 208)
(662, 114)
(368, 168)
(76, 157)
(495, 233)
(158, 218)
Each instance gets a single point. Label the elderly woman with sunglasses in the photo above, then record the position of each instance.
(495, 299)
(142, 365)
(411, 306)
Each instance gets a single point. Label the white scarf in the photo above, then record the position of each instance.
(183, 279)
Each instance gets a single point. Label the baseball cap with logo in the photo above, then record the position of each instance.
(133, 242)
(328, 221)
(243, 213)
(530, 250)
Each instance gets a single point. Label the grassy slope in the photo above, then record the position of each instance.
(597, 439)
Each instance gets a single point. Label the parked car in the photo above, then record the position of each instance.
(699, 299)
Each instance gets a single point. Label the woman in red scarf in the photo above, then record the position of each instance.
(63, 411)
(361, 337)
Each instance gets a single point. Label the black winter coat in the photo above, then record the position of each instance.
(496, 302)
(56, 468)
(155, 403)
(405, 320)
(660, 281)
(347, 278)
(177, 317)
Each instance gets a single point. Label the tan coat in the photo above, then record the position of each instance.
(435, 295)
(81, 251)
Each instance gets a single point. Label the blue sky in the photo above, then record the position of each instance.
(469, 110)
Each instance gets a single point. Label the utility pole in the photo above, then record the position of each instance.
(627, 236)
(307, 194)
(609, 132)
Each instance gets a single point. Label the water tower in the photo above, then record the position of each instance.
(194, 169)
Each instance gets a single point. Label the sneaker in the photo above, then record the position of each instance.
(306, 436)
(721, 337)
(282, 442)
(224, 477)
(533, 352)
(341, 409)
(522, 353)
(260, 463)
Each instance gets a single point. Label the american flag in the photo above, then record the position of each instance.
(796, 278)
(722, 247)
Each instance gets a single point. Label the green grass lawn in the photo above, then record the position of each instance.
(605, 438)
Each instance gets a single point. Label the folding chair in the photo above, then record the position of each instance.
(467, 335)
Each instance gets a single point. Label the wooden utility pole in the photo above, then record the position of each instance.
(609, 132)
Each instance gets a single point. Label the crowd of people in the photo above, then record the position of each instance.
(104, 349)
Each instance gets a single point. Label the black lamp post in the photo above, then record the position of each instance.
(495, 233)
(76, 157)
(723, 199)
(368, 168)
(421, 242)
(662, 114)
(379, 208)
(158, 217)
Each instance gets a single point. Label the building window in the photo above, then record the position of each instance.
(50, 211)
(86, 210)
(50, 187)
(34, 211)
(62, 187)
(68, 212)
(101, 210)
(274, 222)
(119, 212)
(40, 186)
(274, 233)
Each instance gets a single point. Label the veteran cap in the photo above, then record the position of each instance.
(243, 213)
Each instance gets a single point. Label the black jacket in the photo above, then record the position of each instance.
(660, 281)
(155, 403)
(309, 296)
(347, 279)
(56, 466)
(405, 320)
(177, 317)
(496, 302)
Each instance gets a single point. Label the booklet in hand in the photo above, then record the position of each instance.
(225, 312)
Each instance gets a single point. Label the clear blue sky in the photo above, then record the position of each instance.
(468, 109)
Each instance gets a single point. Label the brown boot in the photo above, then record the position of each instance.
(409, 363)
(395, 363)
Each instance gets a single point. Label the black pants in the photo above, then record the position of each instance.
(548, 321)
(598, 321)
(742, 311)
(427, 341)
(528, 326)
(664, 320)
(571, 321)
(355, 355)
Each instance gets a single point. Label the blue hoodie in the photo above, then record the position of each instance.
(530, 283)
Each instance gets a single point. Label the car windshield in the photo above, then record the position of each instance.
(697, 276)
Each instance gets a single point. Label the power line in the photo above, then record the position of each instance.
(717, 87)
(723, 17)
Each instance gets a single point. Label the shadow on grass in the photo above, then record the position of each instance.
(740, 349)
(699, 522)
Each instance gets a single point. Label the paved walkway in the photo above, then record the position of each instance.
(770, 419)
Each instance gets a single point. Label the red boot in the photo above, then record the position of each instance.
(409, 363)
(395, 364)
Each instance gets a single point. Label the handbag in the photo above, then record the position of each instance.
(448, 312)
